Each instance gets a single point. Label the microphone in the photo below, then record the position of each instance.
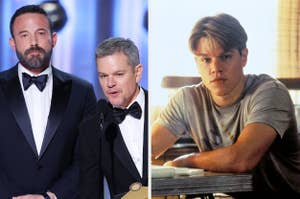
(111, 128)
(102, 109)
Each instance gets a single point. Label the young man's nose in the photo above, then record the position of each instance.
(216, 66)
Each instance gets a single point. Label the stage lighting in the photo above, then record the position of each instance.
(56, 13)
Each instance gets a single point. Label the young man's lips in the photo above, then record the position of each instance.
(218, 80)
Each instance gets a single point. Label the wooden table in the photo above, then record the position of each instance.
(208, 182)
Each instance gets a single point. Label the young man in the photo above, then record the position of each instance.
(115, 142)
(41, 108)
(240, 122)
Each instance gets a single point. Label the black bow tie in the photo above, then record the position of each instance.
(39, 81)
(134, 110)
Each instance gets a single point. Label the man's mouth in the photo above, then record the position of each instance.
(113, 93)
(218, 80)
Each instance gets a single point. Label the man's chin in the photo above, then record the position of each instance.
(114, 102)
(219, 93)
(35, 68)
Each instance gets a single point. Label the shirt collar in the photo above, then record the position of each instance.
(140, 99)
(22, 69)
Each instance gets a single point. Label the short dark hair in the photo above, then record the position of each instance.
(119, 44)
(223, 28)
(28, 9)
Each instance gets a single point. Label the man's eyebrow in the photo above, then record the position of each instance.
(228, 51)
(202, 54)
(22, 32)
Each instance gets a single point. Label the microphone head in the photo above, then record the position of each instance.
(102, 106)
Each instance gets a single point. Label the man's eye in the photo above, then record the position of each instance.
(102, 76)
(24, 35)
(206, 59)
(225, 57)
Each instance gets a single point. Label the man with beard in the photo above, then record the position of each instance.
(41, 108)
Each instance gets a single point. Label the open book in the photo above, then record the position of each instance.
(158, 171)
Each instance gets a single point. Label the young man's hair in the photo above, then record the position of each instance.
(119, 44)
(222, 28)
(28, 9)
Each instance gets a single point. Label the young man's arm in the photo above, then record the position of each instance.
(242, 156)
(161, 139)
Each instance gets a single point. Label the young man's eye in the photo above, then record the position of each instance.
(206, 59)
(225, 57)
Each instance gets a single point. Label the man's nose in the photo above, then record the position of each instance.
(111, 82)
(33, 40)
(216, 66)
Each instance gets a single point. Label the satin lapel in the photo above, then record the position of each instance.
(59, 102)
(106, 155)
(13, 91)
(121, 151)
(145, 146)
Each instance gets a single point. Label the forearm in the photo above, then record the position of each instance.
(161, 140)
(242, 156)
(219, 160)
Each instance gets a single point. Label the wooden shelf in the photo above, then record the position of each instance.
(291, 83)
(179, 81)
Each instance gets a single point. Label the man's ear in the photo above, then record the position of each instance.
(54, 39)
(244, 55)
(138, 70)
(12, 43)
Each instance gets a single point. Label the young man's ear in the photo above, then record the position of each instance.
(244, 55)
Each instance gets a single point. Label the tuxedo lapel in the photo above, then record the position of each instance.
(13, 91)
(121, 151)
(59, 102)
(145, 146)
(114, 151)
(123, 154)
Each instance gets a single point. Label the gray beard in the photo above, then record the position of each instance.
(34, 62)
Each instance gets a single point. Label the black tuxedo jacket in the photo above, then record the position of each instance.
(22, 170)
(104, 152)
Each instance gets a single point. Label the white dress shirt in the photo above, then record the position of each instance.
(38, 104)
(132, 131)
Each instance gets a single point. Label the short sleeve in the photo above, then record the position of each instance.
(271, 105)
(172, 116)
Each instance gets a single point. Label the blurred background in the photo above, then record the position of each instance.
(81, 26)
